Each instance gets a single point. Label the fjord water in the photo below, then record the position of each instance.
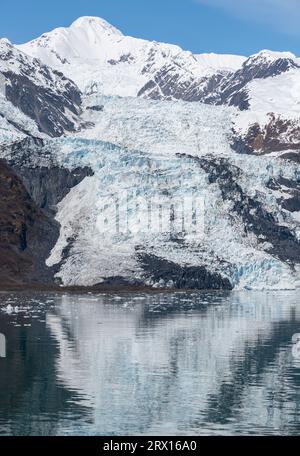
(183, 363)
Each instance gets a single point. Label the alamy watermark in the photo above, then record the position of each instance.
(2, 346)
(131, 214)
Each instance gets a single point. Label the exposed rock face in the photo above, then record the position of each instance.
(191, 277)
(42, 94)
(222, 87)
(168, 84)
(45, 180)
(277, 135)
(42, 104)
(290, 190)
(29, 194)
(233, 89)
(48, 186)
(280, 131)
(27, 234)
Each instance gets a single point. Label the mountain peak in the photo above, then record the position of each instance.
(5, 45)
(273, 55)
(5, 42)
(95, 23)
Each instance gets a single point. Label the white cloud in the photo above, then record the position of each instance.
(282, 14)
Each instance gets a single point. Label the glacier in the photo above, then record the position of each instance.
(153, 148)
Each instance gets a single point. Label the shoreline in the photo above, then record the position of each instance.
(105, 288)
(89, 289)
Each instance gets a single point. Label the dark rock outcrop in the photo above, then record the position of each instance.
(27, 234)
(31, 185)
(192, 277)
(45, 180)
(167, 84)
(276, 136)
(44, 105)
(222, 87)
(48, 186)
(288, 188)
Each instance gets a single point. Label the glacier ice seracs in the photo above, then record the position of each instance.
(176, 144)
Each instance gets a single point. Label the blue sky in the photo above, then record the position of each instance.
(225, 26)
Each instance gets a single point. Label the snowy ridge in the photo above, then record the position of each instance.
(100, 59)
(271, 124)
(13, 60)
(279, 95)
(217, 62)
(272, 56)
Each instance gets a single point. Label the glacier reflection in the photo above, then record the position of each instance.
(180, 363)
(160, 363)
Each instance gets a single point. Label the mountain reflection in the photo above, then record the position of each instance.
(31, 400)
(166, 363)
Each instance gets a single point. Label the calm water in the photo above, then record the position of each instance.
(154, 364)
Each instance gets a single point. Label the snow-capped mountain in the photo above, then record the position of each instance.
(270, 118)
(129, 131)
(100, 59)
(30, 90)
(234, 89)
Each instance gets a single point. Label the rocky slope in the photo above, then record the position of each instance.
(26, 234)
(30, 187)
(40, 93)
